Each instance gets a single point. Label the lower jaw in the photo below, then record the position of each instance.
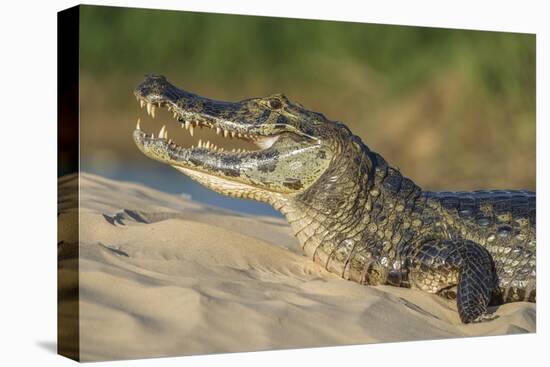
(230, 188)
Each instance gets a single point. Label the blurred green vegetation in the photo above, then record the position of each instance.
(450, 107)
(223, 47)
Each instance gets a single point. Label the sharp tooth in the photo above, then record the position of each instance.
(240, 135)
(161, 132)
(175, 114)
(200, 143)
(182, 125)
(187, 124)
(218, 130)
(141, 103)
(233, 134)
(153, 111)
(225, 133)
(152, 135)
(149, 105)
(191, 130)
(208, 144)
(137, 125)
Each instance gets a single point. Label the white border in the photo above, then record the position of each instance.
(28, 151)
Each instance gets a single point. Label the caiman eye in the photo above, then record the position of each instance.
(275, 104)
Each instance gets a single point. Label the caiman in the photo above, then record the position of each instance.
(350, 210)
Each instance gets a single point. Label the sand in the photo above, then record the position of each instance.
(162, 275)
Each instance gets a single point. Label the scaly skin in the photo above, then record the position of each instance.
(352, 212)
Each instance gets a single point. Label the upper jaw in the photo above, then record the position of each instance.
(193, 111)
(230, 119)
(191, 120)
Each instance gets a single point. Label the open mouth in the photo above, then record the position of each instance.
(201, 133)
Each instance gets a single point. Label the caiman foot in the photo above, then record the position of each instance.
(476, 283)
(485, 317)
(477, 277)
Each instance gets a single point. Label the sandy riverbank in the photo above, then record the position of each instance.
(162, 275)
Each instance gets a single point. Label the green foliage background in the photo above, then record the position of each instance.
(453, 109)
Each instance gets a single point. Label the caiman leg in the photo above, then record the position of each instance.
(463, 263)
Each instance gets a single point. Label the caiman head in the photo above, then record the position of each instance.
(294, 146)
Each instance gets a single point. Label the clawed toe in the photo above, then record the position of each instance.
(485, 317)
